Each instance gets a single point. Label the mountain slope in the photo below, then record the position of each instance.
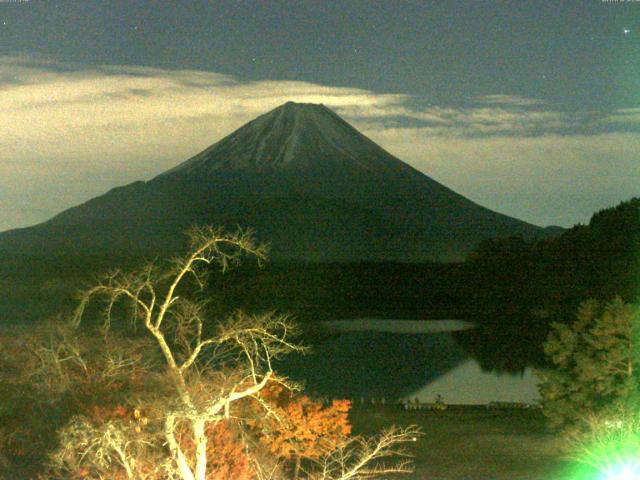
(306, 180)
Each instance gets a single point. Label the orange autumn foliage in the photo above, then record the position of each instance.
(226, 455)
(302, 427)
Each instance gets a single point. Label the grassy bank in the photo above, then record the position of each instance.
(473, 443)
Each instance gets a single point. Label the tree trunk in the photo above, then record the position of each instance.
(176, 451)
(296, 469)
(200, 438)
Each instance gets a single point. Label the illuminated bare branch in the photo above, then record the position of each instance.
(367, 458)
(209, 367)
(244, 344)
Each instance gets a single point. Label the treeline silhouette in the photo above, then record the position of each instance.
(519, 288)
(514, 289)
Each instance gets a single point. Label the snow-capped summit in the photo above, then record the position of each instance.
(294, 136)
(309, 184)
(308, 150)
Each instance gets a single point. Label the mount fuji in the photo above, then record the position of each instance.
(309, 184)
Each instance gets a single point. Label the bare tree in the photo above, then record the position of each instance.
(207, 371)
(244, 345)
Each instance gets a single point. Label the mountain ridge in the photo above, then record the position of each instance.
(305, 179)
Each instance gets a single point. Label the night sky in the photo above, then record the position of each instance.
(531, 108)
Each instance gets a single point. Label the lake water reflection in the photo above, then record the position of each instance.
(394, 359)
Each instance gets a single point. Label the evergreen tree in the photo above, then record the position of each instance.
(595, 363)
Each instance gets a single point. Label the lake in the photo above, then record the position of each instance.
(404, 360)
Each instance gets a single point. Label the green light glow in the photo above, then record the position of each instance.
(617, 468)
(610, 449)
(629, 470)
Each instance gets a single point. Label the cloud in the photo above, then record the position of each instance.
(469, 122)
(547, 180)
(70, 132)
(514, 100)
(624, 117)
